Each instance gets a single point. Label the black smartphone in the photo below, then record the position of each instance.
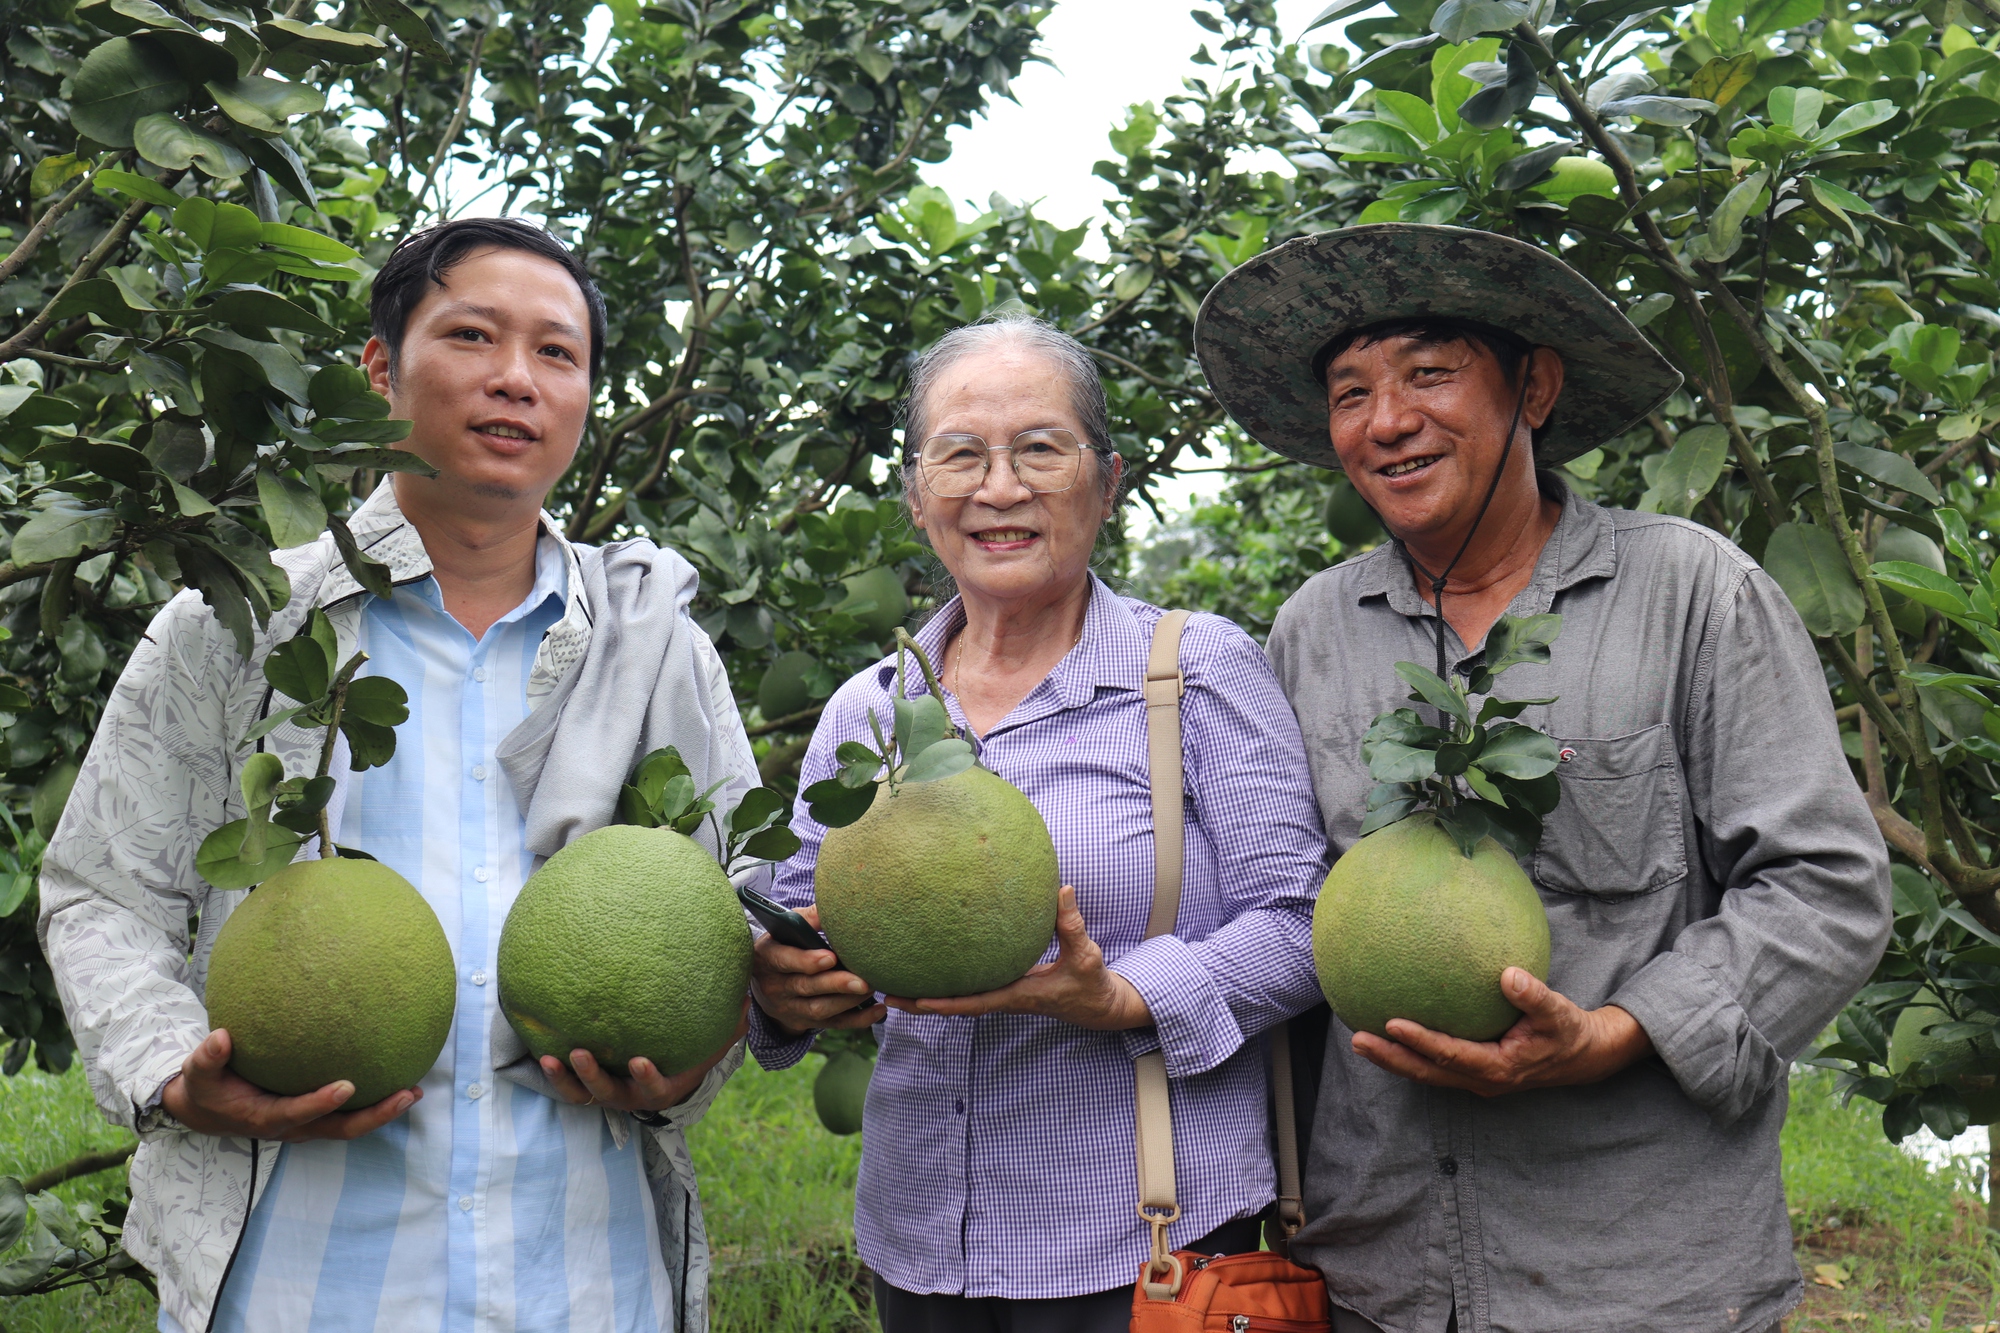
(785, 925)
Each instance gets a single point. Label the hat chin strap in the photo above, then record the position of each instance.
(1437, 582)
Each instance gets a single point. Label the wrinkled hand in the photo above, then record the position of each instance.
(1076, 988)
(1554, 1044)
(585, 1083)
(210, 1098)
(803, 990)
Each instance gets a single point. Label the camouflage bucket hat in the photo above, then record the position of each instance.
(1262, 326)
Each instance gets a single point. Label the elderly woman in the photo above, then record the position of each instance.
(997, 1176)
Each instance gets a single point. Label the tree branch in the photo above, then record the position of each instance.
(89, 1164)
(32, 242)
(86, 270)
(450, 133)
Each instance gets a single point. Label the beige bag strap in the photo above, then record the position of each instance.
(1152, 1112)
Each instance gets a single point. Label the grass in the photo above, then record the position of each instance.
(1904, 1243)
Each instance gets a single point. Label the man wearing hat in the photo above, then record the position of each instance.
(1715, 887)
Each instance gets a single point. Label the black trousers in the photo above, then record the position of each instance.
(1100, 1312)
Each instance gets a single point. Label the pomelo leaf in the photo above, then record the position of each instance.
(1515, 640)
(929, 724)
(370, 745)
(118, 82)
(218, 863)
(656, 770)
(1808, 564)
(13, 1212)
(634, 808)
(675, 798)
(1925, 586)
(293, 509)
(377, 699)
(262, 772)
(836, 805)
(1515, 751)
(1508, 708)
(1430, 689)
(773, 844)
(300, 669)
(1393, 761)
(944, 759)
(758, 808)
(343, 391)
(1389, 813)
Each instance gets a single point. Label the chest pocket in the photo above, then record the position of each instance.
(1618, 832)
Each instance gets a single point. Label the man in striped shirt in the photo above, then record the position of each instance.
(495, 1195)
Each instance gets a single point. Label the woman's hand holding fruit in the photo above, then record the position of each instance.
(1076, 988)
(804, 990)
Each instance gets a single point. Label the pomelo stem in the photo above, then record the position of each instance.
(903, 640)
(340, 683)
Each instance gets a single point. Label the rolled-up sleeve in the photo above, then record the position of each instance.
(1252, 800)
(1805, 908)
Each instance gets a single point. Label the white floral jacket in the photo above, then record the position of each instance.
(120, 900)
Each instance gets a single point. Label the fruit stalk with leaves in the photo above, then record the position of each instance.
(282, 812)
(1508, 768)
(922, 745)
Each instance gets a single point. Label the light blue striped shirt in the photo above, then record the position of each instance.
(488, 1208)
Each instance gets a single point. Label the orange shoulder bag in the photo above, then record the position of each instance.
(1180, 1291)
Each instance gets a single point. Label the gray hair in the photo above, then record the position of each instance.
(1011, 328)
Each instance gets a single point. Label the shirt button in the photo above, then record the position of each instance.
(479, 772)
(475, 1091)
(479, 873)
(479, 978)
(1447, 1166)
(465, 1203)
(479, 674)
(959, 1106)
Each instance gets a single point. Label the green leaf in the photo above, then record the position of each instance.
(1675, 111)
(53, 172)
(1389, 813)
(1374, 141)
(1768, 16)
(292, 509)
(263, 105)
(369, 745)
(777, 843)
(1393, 761)
(13, 1212)
(120, 81)
(313, 245)
(281, 163)
(1723, 77)
(1943, 1111)
(1854, 119)
(1507, 708)
(262, 772)
(1515, 751)
(254, 307)
(139, 187)
(836, 805)
(1926, 587)
(1338, 9)
(1461, 20)
(213, 226)
(758, 808)
(1517, 640)
(167, 142)
(944, 759)
(1524, 169)
(64, 529)
(217, 861)
(377, 700)
(1497, 103)
(363, 432)
(273, 722)
(929, 724)
(407, 24)
(1691, 468)
(1963, 113)
(1807, 562)
(317, 42)
(1725, 225)
(1892, 470)
(1433, 690)
(300, 669)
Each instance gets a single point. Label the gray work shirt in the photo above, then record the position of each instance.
(1712, 869)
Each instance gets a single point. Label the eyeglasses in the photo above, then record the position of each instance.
(955, 466)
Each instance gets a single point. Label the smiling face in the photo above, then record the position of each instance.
(1420, 426)
(1004, 543)
(494, 372)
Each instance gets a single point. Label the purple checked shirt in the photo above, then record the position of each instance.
(997, 1152)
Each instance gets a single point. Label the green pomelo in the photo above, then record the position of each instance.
(942, 888)
(333, 969)
(1349, 520)
(51, 796)
(1909, 1044)
(1409, 927)
(628, 942)
(786, 687)
(841, 1090)
(883, 587)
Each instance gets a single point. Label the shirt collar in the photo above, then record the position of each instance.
(1583, 546)
(1111, 654)
(382, 532)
